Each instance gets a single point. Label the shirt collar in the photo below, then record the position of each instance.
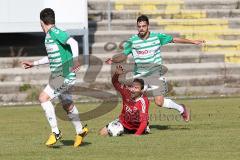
(138, 98)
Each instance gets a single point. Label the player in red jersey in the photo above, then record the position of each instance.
(135, 104)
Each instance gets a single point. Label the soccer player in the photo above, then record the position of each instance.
(135, 104)
(62, 58)
(145, 49)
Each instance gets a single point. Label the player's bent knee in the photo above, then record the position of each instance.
(68, 107)
(43, 97)
(159, 100)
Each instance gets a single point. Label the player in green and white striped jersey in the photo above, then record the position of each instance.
(145, 49)
(62, 51)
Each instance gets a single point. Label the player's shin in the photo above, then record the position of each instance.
(168, 103)
(50, 115)
(73, 115)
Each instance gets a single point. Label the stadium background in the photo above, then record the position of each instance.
(209, 72)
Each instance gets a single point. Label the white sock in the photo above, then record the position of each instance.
(74, 117)
(168, 103)
(51, 116)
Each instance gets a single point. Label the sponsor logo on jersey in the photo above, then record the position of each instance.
(51, 48)
(143, 52)
(129, 110)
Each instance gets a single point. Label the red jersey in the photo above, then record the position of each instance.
(134, 115)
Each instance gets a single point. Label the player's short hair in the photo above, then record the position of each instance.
(47, 15)
(143, 18)
(140, 81)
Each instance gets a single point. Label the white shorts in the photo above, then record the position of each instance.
(156, 85)
(64, 95)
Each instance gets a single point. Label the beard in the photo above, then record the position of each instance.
(142, 34)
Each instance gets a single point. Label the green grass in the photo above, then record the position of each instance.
(213, 133)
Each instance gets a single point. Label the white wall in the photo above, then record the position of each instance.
(20, 10)
(23, 15)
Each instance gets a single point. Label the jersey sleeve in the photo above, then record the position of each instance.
(164, 38)
(143, 108)
(117, 85)
(127, 47)
(60, 35)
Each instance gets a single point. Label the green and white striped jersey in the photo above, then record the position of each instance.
(146, 52)
(59, 53)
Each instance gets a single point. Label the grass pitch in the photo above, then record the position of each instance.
(212, 134)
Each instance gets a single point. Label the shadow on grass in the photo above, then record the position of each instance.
(169, 127)
(71, 142)
(56, 147)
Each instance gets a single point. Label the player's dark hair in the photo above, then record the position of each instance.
(140, 81)
(47, 15)
(143, 18)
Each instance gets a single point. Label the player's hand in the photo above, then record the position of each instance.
(199, 42)
(119, 70)
(109, 61)
(136, 135)
(76, 66)
(27, 64)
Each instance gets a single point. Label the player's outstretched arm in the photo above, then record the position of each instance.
(143, 122)
(119, 70)
(75, 53)
(117, 85)
(116, 59)
(188, 41)
(27, 64)
(141, 128)
(30, 64)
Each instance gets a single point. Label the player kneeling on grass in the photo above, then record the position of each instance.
(134, 115)
(61, 50)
